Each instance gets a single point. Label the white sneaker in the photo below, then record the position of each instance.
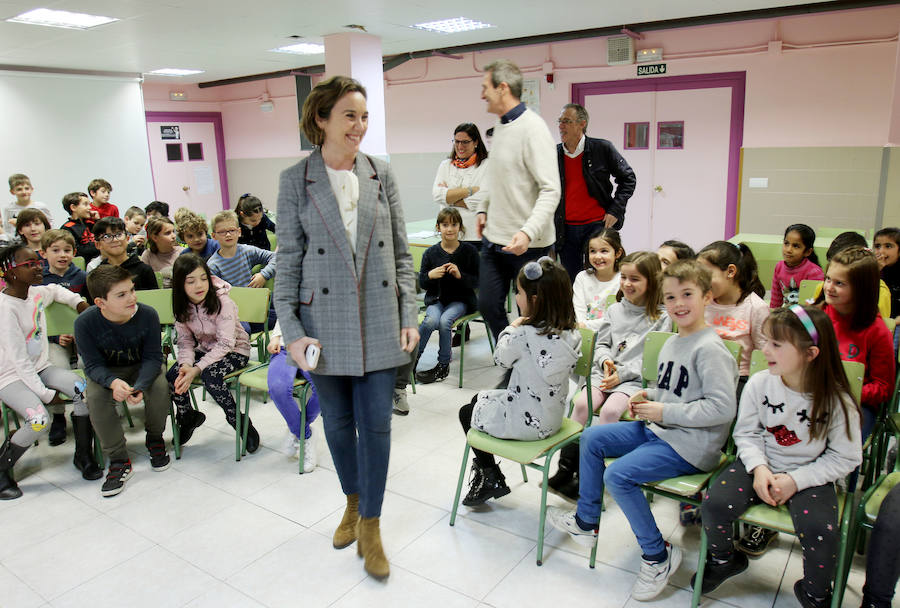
(401, 406)
(290, 445)
(310, 451)
(564, 519)
(654, 577)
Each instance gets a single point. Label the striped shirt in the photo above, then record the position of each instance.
(236, 269)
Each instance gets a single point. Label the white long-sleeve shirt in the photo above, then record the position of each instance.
(589, 297)
(449, 177)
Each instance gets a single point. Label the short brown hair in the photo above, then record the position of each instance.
(57, 234)
(28, 215)
(134, 212)
(225, 216)
(452, 215)
(690, 271)
(188, 221)
(319, 104)
(102, 278)
(98, 183)
(17, 179)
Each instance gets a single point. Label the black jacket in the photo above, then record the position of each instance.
(142, 274)
(600, 160)
(257, 236)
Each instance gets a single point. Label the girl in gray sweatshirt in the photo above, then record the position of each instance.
(797, 432)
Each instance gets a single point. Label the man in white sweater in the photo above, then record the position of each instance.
(523, 180)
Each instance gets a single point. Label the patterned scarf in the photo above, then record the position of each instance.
(463, 164)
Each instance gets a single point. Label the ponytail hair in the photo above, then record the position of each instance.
(613, 238)
(807, 237)
(723, 254)
(824, 377)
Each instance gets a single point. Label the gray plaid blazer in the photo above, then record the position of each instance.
(354, 305)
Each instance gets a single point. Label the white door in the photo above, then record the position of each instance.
(682, 175)
(186, 169)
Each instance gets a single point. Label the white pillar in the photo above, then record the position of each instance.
(358, 55)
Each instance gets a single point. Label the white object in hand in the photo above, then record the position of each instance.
(312, 356)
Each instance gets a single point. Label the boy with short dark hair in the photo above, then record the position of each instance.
(78, 206)
(233, 262)
(135, 222)
(113, 243)
(100, 189)
(119, 340)
(157, 209)
(20, 187)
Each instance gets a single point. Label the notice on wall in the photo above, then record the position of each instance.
(204, 178)
(531, 94)
(170, 132)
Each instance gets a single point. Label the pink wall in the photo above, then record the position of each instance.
(835, 95)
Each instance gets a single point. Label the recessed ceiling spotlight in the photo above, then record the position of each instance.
(452, 26)
(301, 48)
(174, 72)
(54, 18)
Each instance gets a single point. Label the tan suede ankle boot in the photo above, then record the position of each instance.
(347, 530)
(369, 547)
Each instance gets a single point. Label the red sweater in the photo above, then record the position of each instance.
(873, 346)
(580, 207)
(107, 210)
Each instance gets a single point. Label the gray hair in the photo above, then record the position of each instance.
(581, 114)
(504, 70)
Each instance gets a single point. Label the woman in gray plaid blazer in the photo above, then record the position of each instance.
(345, 283)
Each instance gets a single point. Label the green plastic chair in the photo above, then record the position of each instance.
(460, 326)
(79, 261)
(273, 240)
(258, 379)
(808, 290)
(526, 452)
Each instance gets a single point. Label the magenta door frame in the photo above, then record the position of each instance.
(736, 81)
(216, 119)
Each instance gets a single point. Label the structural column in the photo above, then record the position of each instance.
(358, 55)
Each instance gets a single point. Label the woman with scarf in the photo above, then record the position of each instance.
(460, 180)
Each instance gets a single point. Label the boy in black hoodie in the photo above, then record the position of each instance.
(78, 206)
(113, 243)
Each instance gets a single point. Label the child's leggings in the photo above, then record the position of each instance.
(33, 411)
(214, 380)
(813, 511)
(281, 390)
(614, 403)
(883, 560)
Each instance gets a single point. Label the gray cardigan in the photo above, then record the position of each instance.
(354, 303)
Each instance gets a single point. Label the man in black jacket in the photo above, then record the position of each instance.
(587, 202)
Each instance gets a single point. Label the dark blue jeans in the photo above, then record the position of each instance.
(440, 317)
(571, 254)
(498, 270)
(356, 412)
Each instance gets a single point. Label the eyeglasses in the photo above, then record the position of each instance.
(228, 232)
(111, 236)
(462, 142)
(25, 264)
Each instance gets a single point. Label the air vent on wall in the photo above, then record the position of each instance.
(619, 50)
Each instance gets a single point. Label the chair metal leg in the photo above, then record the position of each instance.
(127, 415)
(176, 433)
(237, 431)
(462, 474)
(701, 568)
(524, 473)
(303, 426)
(543, 513)
(244, 428)
(845, 553)
(461, 329)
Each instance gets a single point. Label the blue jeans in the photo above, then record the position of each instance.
(642, 457)
(281, 389)
(356, 411)
(497, 269)
(440, 317)
(571, 254)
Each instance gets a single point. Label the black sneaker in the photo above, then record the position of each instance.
(756, 540)
(806, 600)
(715, 574)
(435, 374)
(188, 420)
(159, 459)
(489, 484)
(119, 472)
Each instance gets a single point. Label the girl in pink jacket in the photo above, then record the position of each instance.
(211, 343)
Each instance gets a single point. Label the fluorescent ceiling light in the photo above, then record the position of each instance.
(53, 18)
(174, 72)
(301, 48)
(451, 26)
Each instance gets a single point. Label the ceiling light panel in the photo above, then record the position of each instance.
(174, 72)
(301, 48)
(65, 19)
(452, 26)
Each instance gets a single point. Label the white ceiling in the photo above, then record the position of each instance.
(230, 38)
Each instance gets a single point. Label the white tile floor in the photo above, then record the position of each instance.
(212, 532)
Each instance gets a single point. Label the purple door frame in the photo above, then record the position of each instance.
(216, 119)
(736, 81)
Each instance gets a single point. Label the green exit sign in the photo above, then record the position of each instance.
(651, 69)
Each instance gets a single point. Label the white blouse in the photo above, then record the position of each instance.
(345, 185)
(448, 177)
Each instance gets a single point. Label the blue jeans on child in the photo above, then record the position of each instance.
(356, 411)
(281, 389)
(642, 457)
(440, 317)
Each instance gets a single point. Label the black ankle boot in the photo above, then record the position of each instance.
(565, 481)
(9, 454)
(435, 374)
(58, 430)
(252, 438)
(84, 448)
(188, 421)
(487, 483)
